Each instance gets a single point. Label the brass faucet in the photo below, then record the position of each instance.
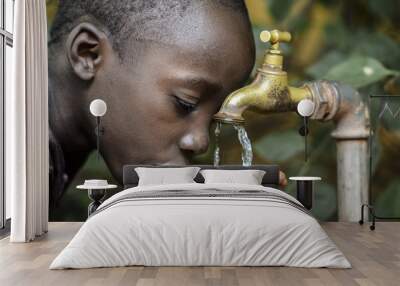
(269, 92)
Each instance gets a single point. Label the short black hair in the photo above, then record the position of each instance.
(127, 18)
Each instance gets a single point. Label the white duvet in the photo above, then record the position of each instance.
(188, 231)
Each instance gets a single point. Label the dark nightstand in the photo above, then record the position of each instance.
(96, 193)
(305, 190)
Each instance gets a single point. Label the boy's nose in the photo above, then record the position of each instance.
(195, 142)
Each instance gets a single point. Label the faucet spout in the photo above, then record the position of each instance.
(269, 92)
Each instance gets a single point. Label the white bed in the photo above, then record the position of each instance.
(201, 224)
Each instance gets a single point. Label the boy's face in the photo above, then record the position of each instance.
(161, 101)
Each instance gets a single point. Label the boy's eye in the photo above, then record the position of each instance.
(184, 105)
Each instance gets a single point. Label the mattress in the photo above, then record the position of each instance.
(201, 225)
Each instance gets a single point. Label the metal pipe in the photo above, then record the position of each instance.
(351, 134)
(269, 93)
(333, 102)
(344, 105)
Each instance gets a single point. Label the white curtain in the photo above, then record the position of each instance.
(27, 124)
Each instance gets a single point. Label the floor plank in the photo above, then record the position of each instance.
(375, 257)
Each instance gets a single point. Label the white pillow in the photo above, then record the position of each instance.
(164, 176)
(247, 177)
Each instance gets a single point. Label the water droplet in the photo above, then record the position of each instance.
(368, 70)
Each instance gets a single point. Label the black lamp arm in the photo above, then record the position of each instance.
(303, 131)
(98, 131)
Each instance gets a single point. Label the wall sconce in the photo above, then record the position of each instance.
(305, 108)
(98, 109)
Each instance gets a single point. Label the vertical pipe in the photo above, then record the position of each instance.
(352, 135)
(352, 178)
(345, 106)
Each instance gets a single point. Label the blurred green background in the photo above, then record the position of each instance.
(336, 40)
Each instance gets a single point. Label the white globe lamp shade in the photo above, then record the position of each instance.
(98, 108)
(306, 108)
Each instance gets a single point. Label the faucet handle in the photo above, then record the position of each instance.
(275, 37)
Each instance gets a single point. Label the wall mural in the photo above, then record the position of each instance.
(163, 78)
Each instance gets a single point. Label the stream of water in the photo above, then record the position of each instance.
(217, 157)
(247, 151)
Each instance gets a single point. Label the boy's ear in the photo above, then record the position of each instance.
(84, 50)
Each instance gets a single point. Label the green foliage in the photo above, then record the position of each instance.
(321, 68)
(358, 71)
(51, 7)
(378, 46)
(279, 8)
(387, 9)
(279, 146)
(388, 202)
(324, 206)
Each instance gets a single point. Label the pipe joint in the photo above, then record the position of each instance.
(352, 118)
(326, 99)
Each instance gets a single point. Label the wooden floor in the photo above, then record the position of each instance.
(375, 257)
